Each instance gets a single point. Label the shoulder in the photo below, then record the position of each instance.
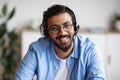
(85, 46)
(88, 51)
(41, 43)
(82, 40)
(88, 48)
(90, 57)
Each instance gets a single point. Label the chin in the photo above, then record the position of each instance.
(64, 47)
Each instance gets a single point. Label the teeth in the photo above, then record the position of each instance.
(64, 38)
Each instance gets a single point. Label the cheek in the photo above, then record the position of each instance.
(72, 32)
(52, 36)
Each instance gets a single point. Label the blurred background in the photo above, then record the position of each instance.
(19, 26)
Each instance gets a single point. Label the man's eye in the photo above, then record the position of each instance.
(67, 25)
(54, 28)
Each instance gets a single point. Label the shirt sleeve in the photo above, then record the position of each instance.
(95, 65)
(27, 68)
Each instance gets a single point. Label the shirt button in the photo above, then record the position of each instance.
(56, 67)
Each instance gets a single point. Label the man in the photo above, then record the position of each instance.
(62, 54)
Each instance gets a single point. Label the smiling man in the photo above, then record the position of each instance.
(61, 31)
(62, 54)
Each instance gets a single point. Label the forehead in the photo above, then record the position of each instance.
(60, 19)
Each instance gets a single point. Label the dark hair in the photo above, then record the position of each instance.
(55, 10)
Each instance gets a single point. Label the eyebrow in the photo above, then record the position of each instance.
(66, 22)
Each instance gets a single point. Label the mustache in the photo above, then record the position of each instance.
(62, 36)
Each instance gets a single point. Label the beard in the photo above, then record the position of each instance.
(66, 46)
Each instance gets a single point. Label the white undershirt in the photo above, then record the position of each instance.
(63, 73)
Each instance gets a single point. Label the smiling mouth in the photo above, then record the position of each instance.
(63, 38)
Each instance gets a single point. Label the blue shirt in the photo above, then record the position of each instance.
(84, 63)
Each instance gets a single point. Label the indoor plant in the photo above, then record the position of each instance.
(8, 45)
(117, 22)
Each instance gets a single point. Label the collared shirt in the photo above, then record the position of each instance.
(84, 63)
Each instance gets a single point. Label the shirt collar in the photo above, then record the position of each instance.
(76, 50)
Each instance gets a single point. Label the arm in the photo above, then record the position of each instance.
(27, 68)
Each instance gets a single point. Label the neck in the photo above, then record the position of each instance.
(63, 55)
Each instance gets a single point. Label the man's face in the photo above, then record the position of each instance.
(63, 34)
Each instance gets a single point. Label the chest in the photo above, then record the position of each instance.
(50, 69)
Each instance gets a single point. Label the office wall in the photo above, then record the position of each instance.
(89, 13)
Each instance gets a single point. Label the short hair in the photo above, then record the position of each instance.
(56, 10)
